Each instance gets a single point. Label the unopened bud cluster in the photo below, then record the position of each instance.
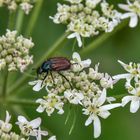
(10, 136)
(25, 5)
(82, 85)
(87, 18)
(14, 51)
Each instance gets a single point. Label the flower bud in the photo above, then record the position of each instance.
(74, 8)
(4, 53)
(8, 59)
(87, 10)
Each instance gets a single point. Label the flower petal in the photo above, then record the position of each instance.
(38, 86)
(44, 133)
(109, 106)
(35, 123)
(127, 15)
(52, 138)
(102, 98)
(104, 114)
(110, 99)
(133, 21)
(86, 63)
(126, 99)
(97, 127)
(122, 76)
(89, 120)
(22, 119)
(61, 111)
(77, 36)
(76, 57)
(124, 7)
(40, 109)
(40, 132)
(8, 117)
(134, 106)
(33, 82)
(73, 35)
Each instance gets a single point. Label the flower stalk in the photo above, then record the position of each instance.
(34, 17)
(5, 82)
(11, 22)
(19, 20)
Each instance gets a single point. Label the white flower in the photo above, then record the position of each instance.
(132, 69)
(52, 138)
(80, 29)
(5, 125)
(78, 64)
(133, 12)
(12, 6)
(94, 74)
(96, 109)
(50, 103)
(107, 81)
(134, 96)
(31, 128)
(26, 7)
(73, 96)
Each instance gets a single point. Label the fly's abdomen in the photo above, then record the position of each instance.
(60, 64)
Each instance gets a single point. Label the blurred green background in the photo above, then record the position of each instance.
(123, 45)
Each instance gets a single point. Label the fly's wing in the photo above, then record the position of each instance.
(60, 63)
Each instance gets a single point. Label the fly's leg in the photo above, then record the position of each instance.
(44, 78)
(65, 79)
(52, 77)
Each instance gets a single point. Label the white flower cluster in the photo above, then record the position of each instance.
(27, 129)
(84, 19)
(132, 85)
(85, 86)
(133, 12)
(14, 51)
(25, 5)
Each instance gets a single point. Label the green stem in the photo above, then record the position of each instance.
(22, 102)
(69, 114)
(102, 38)
(34, 17)
(74, 121)
(19, 21)
(5, 81)
(47, 54)
(4, 90)
(11, 22)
